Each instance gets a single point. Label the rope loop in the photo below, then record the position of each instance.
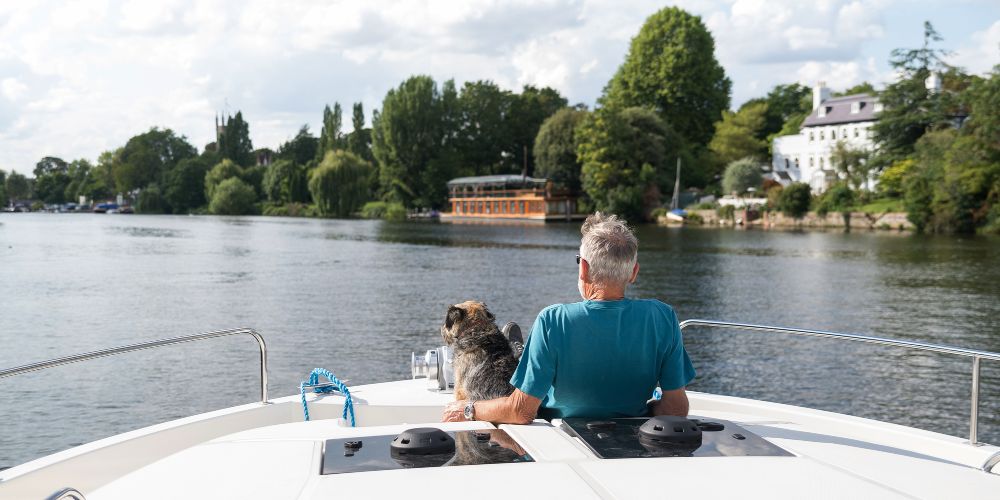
(338, 386)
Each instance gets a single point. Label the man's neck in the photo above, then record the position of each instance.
(598, 293)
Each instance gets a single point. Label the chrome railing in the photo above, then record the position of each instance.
(42, 365)
(976, 355)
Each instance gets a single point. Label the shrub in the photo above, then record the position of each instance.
(233, 197)
(794, 200)
(726, 212)
(225, 169)
(838, 198)
(741, 175)
(151, 201)
(694, 219)
(657, 213)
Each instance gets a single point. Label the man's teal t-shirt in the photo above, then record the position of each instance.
(602, 359)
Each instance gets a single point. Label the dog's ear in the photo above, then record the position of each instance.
(455, 314)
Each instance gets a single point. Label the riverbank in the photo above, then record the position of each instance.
(895, 221)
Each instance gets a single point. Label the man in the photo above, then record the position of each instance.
(599, 358)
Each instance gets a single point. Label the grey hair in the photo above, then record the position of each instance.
(610, 248)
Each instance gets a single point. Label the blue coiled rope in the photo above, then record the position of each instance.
(337, 386)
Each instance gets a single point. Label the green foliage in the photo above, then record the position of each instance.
(407, 136)
(483, 139)
(910, 109)
(233, 197)
(851, 164)
(861, 88)
(837, 198)
(330, 138)
(3, 189)
(146, 157)
(290, 210)
(184, 185)
(774, 197)
(51, 187)
(301, 149)
(383, 210)
(795, 199)
(50, 165)
(339, 185)
(234, 141)
(88, 181)
(983, 101)
(151, 201)
(671, 67)
(657, 212)
(528, 112)
(736, 136)
(226, 169)
(555, 149)
(890, 182)
(18, 187)
(741, 175)
(623, 155)
(726, 212)
(359, 141)
(285, 182)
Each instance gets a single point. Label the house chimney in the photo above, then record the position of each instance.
(820, 94)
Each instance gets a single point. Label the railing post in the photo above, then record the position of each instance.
(974, 411)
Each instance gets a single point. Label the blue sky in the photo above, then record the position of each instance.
(80, 78)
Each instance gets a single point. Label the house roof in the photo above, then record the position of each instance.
(838, 110)
(495, 180)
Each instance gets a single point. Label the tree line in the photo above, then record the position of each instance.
(667, 102)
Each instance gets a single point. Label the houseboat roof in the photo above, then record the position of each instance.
(506, 180)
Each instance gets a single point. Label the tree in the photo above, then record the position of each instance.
(234, 141)
(861, 88)
(795, 199)
(18, 187)
(285, 182)
(85, 181)
(909, 109)
(330, 138)
(528, 111)
(151, 201)
(184, 185)
(408, 136)
(484, 134)
(671, 67)
(226, 169)
(741, 175)
(623, 155)
(736, 136)
(339, 185)
(301, 149)
(555, 149)
(359, 141)
(3, 188)
(146, 157)
(233, 197)
(50, 165)
(851, 164)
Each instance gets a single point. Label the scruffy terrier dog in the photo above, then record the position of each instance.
(484, 359)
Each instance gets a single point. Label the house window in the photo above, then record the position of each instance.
(811, 163)
(822, 162)
(855, 107)
(856, 131)
(843, 133)
(833, 135)
(786, 164)
(810, 137)
(822, 135)
(796, 163)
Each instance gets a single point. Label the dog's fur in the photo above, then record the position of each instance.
(484, 360)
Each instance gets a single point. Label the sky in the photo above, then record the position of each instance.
(78, 78)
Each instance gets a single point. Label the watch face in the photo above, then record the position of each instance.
(469, 411)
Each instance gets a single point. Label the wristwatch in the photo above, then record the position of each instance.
(470, 410)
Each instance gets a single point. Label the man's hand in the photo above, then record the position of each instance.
(454, 411)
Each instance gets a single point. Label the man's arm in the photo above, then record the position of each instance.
(673, 402)
(518, 408)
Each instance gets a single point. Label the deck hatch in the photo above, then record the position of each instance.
(371, 453)
(620, 438)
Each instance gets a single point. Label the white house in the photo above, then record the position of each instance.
(806, 157)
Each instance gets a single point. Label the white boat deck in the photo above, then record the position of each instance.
(266, 452)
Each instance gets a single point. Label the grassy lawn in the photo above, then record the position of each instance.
(883, 205)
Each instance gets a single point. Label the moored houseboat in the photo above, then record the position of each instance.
(514, 197)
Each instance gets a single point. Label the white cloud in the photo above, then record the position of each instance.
(983, 53)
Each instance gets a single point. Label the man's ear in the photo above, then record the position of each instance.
(635, 273)
(455, 314)
(584, 271)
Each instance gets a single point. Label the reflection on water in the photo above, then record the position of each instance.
(357, 297)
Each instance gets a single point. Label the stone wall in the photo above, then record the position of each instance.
(858, 220)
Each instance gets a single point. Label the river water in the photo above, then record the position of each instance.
(357, 297)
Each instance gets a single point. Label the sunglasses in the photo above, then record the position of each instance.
(578, 259)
